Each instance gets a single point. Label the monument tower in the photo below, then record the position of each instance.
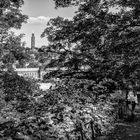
(33, 41)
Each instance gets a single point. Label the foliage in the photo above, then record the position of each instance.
(67, 3)
(103, 41)
(63, 112)
(95, 52)
(12, 50)
(33, 65)
(74, 109)
(96, 45)
(82, 120)
(18, 91)
(11, 15)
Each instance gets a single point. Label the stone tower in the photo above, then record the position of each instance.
(33, 41)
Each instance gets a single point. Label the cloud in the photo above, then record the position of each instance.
(41, 19)
(38, 20)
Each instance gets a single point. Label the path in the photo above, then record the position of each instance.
(126, 131)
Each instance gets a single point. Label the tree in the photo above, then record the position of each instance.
(10, 14)
(106, 42)
(10, 17)
(67, 3)
(13, 50)
(59, 47)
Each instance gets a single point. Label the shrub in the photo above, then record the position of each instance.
(75, 109)
(71, 110)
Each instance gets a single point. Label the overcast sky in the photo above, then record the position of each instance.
(39, 12)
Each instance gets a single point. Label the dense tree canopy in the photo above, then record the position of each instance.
(103, 40)
(10, 14)
(13, 49)
(86, 49)
(67, 3)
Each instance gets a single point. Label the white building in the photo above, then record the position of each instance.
(35, 73)
(30, 72)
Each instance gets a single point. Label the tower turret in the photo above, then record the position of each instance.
(33, 41)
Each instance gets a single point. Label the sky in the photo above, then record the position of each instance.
(39, 12)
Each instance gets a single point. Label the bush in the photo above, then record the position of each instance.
(75, 109)
(72, 109)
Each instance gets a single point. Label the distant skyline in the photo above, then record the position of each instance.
(39, 12)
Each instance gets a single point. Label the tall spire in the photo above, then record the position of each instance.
(33, 41)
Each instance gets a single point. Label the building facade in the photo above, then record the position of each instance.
(35, 73)
(28, 72)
